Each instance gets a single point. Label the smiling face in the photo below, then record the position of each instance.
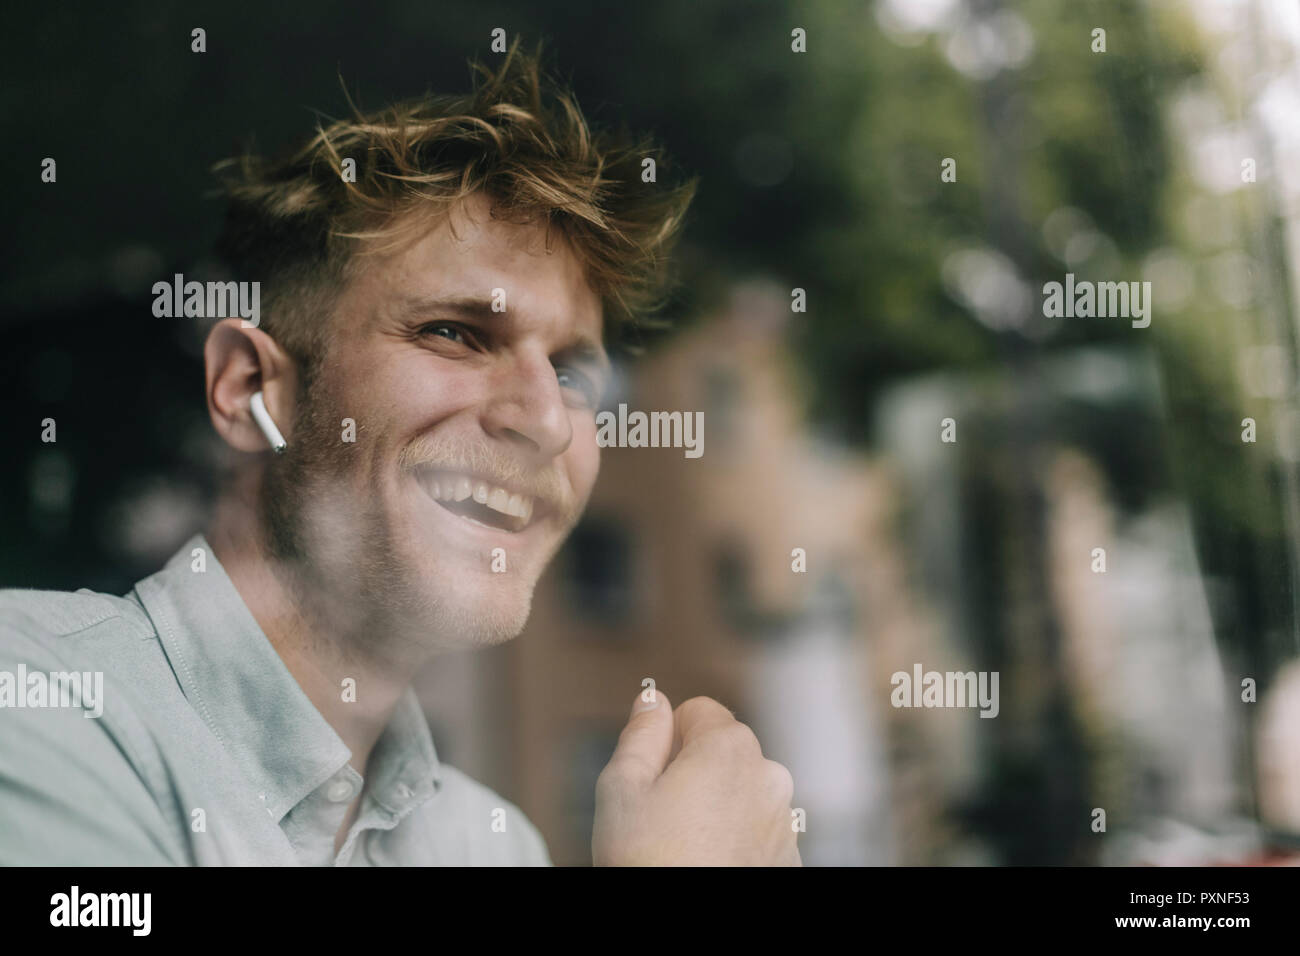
(475, 440)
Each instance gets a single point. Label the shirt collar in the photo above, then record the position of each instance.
(232, 675)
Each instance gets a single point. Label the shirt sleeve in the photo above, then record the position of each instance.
(69, 794)
(534, 847)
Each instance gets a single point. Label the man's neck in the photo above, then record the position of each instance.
(354, 695)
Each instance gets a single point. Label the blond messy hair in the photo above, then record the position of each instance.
(519, 137)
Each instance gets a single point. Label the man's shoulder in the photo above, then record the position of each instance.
(103, 640)
(100, 636)
(493, 824)
(59, 619)
(76, 789)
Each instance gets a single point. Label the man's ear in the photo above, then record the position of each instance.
(239, 362)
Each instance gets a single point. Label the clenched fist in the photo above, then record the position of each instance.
(691, 788)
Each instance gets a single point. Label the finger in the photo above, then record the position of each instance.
(645, 743)
(696, 717)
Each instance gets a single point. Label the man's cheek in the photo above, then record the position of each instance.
(585, 457)
(584, 483)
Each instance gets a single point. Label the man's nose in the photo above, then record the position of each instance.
(527, 408)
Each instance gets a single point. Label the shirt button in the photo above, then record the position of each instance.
(339, 790)
(403, 791)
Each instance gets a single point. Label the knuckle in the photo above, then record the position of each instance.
(612, 780)
(623, 774)
(738, 739)
(608, 780)
(778, 781)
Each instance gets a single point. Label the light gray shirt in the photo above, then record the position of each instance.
(207, 751)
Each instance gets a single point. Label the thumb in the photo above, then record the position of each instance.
(645, 743)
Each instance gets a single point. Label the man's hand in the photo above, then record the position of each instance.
(691, 788)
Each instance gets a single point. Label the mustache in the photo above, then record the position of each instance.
(475, 458)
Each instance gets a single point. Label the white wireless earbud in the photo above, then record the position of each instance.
(257, 405)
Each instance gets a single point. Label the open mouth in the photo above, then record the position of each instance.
(479, 501)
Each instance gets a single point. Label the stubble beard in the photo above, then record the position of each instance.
(335, 548)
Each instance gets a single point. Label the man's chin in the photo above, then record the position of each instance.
(476, 614)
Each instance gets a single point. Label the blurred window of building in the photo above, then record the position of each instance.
(600, 565)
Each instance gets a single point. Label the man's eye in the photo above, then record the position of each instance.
(470, 338)
(573, 379)
(445, 331)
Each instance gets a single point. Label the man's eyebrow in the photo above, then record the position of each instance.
(469, 306)
(583, 348)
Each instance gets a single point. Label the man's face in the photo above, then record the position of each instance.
(475, 446)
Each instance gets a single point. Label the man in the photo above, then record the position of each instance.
(439, 283)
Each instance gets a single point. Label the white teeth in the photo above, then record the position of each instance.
(450, 487)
